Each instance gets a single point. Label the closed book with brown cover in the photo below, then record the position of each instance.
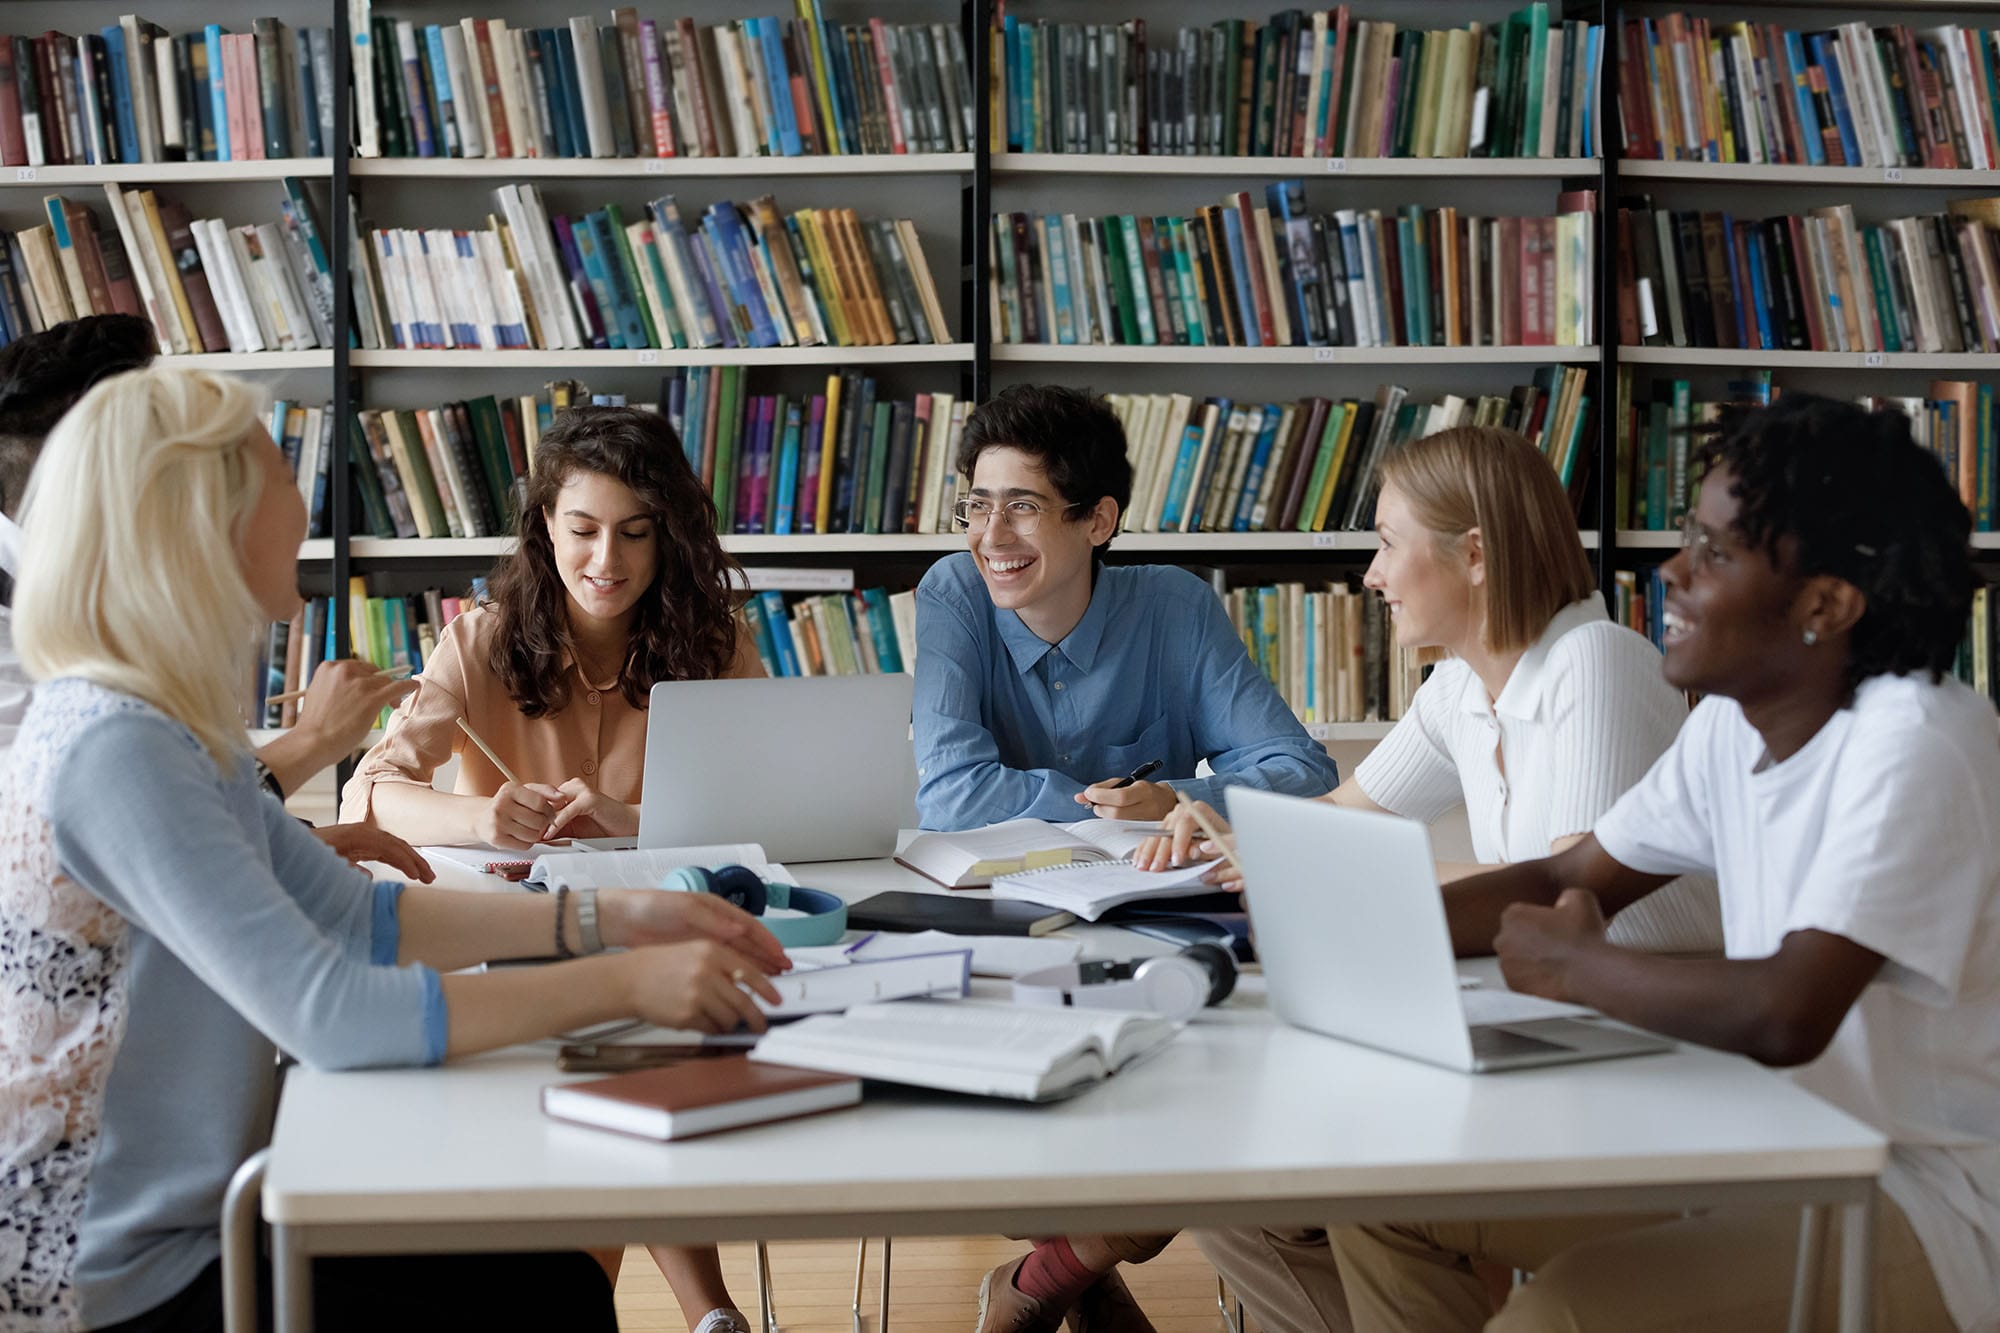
(201, 303)
(698, 1096)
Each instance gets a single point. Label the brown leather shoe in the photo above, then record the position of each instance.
(1108, 1307)
(1005, 1308)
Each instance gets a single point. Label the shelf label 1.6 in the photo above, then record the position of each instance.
(22, 175)
(1325, 541)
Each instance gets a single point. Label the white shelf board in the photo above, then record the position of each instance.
(1149, 164)
(319, 359)
(1730, 357)
(1986, 541)
(1191, 545)
(170, 173)
(599, 168)
(901, 355)
(1736, 173)
(1289, 356)
(316, 548)
(1347, 731)
(1641, 539)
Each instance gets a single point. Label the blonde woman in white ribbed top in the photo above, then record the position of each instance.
(1542, 711)
(1540, 715)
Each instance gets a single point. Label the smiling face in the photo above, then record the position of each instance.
(606, 549)
(1045, 575)
(1729, 608)
(1431, 587)
(271, 536)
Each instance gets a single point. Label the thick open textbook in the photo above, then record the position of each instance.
(994, 1050)
(975, 857)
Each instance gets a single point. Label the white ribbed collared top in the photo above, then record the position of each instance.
(1583, 716)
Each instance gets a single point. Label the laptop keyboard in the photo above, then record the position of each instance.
(1499, 1044)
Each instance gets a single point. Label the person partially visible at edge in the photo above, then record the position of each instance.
(1046, 677)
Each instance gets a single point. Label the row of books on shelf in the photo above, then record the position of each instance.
(133, 93)
(743, 276)
(1660, 421)
(1695, 89)
(1818, 281)
(750, 87)
(835, 634)
(1269, 274)
(388, 631)
(1302, 84)
(1218, 465)
(1331, 652)
(204, 285)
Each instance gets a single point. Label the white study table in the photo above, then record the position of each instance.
(1238, 1121)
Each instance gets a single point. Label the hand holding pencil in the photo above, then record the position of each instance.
(1194, 830)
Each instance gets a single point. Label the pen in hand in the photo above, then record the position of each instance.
(1145, 770)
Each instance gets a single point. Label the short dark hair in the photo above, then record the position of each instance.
(1073, 433)
(1860, 500)
(43, 374)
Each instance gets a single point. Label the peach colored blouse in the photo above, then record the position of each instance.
(598, 737)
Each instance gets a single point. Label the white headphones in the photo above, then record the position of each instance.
(1176, 986)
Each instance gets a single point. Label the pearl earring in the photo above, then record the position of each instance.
(1811, 637)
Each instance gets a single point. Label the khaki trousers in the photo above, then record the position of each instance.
(1717, 1272)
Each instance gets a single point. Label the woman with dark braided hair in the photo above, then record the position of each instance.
(617, 581)
(1846, 794)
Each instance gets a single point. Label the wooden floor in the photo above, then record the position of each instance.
(933, 1286)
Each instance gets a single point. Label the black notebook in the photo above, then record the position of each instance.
(956, 915)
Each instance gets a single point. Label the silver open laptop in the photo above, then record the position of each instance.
(1352, 935)
(815, 769)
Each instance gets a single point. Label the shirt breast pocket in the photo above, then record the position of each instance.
(1149, 745)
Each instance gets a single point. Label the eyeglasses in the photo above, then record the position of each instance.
(1022, 516)
(1700, 544)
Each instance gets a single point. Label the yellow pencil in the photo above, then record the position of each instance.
(397, 672)
(1208, 830)
(487, 750)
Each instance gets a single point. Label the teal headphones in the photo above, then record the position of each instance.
(825, 923)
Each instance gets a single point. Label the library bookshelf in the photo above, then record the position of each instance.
(951, 196)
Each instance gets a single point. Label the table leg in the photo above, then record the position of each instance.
(291, 1279)
(884, 1328)
(1857, 1266)
(1805, 1272)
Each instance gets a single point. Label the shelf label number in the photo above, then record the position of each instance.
(1336, 166)
(24, 174)
(1323, 353)
(1874, 360)
(1324, 541)
(656, 166)
(649, 356)
(1892, 175)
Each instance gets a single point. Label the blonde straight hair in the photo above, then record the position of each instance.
(129, 574)
(1497, 481)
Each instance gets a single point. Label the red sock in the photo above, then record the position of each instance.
(1053, 1275)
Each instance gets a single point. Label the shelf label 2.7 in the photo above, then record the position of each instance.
(649, 356)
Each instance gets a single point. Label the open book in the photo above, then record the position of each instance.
(974, 858)
(995, 1050)
(1090, 890)
(646, 867)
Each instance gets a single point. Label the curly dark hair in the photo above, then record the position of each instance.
(43, 374)
(1857, 498)
(684, 626)
(1073, 433)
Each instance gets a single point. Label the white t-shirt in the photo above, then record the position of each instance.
(1583, 716)
(1881, 830)
(15, 687)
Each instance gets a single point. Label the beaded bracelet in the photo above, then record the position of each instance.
(562, 902)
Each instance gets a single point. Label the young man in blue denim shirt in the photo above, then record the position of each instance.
(1045, 676)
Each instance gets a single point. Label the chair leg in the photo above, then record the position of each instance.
(1233, 1321)
(884, 1328)
(860, 1267)
(239, 1245)
(767, 1309)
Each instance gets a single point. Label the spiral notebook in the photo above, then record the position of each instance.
(1090, 889)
